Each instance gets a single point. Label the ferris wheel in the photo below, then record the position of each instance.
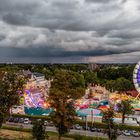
(136, 78)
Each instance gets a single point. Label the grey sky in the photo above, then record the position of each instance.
(90, 29)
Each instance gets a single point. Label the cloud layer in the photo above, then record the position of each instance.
(59, 28)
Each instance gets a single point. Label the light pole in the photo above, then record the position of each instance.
(86, 124)
(92, 117)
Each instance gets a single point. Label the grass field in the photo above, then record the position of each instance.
(6, 134)
(18, 135)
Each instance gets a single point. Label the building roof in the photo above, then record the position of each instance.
(38, 74)
(133, 93)
(27, 73)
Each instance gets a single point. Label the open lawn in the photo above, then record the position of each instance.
(18, 135)
(14, 135)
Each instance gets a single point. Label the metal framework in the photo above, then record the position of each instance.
(136, 78)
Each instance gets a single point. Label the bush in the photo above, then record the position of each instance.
(17, 128)
(38, 130)
(128, 127)
(30, 116)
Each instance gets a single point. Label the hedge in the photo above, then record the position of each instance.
(17, 128)
(30, 116)
(128, 127)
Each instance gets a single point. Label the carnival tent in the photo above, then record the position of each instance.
(90, 111)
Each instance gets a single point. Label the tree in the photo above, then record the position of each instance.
(10, 84)
(91, 77)
(112, 73)
(110, 85)
(121, 85)
(112, 129)
(125, 108)
(66, 87)
(38, 130)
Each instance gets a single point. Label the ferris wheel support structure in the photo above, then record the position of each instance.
(136, 79)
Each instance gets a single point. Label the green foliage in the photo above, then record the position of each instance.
(116, 78)
(120, 84)
(99, 76)
(48, 74)
(114, 72)
(125, 108)
(91, 77)
(129, 127)
(112, 129)
(9, 87)
(30, 116)
(17, 128)
(38, 130)
(66, 87)
(110, 85)
(68, 84)
(9, 68)
(107, 73)
(123, 84)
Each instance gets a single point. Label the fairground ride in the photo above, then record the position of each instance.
(136, 79)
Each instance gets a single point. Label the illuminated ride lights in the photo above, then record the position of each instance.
(29, 97)
(136, 78)
(33, 101)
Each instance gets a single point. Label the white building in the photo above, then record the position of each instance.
(37, 81)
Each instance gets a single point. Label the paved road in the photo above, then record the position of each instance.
(73, 131)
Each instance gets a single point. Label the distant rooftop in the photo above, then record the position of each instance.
(27, 72)
(38, 74)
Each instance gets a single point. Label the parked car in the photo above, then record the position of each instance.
(77, 126)
(50, 123)
(134, 133)
(98, 130)
(11, 119)
(21, 120)
(119, 132)
(27, 121)
(46, 123)
(92, 129)
(16, 120)
(85, 128)
(126, 133)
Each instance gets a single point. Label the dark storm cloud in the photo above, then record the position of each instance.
(125, 34)
(49, 51)
(45, 28)
(97, 1)
(15, 19)
(29, 52)
(26, 6)
(2, 37)
(103, 1)
(65, 4)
